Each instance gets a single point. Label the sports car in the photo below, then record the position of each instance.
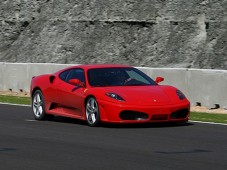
(107, 93)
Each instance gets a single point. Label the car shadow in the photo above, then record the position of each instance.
(60, 119)
(148, 125)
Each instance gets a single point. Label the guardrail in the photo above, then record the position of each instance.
(202, 86)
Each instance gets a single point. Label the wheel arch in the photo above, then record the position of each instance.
(102, 111)
(34, 90)
(89, 96)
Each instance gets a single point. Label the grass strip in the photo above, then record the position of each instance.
(209, 117)
(197, 116)
(15, 99)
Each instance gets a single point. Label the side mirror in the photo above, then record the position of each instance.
(76, 82)
(159, 79)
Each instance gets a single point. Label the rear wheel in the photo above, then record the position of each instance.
(92, 112)
(38, 106)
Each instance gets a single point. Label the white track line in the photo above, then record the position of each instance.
(30, 120)
(24, 105)
(211, 123)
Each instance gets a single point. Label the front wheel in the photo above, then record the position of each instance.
(38, 105)
(92, 112)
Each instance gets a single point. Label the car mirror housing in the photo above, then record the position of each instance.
(159, 79)
(76, 82)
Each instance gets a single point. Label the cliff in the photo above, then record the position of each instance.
(153, 33)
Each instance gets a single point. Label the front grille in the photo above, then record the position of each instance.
(179, 114)
(133, 115)
(157, 117)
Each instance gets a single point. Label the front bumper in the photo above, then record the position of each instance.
(122, 113)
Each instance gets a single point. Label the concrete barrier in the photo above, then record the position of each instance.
(202, 87)
(208, 87)
(2, 65)
(17, 76)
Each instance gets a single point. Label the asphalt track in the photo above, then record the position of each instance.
(70, 144)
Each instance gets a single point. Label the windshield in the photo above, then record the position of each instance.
(118, 77)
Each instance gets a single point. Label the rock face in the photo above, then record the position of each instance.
(153, 33)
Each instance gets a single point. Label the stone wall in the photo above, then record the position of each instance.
(152, 33)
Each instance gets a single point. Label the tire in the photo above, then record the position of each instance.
(92, 112)
(38, 106)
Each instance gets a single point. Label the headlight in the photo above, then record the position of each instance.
(180, 95)
(114, 96)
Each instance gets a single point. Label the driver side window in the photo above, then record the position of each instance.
(73, 74)
(76, 74)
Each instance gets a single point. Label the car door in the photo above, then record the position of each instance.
(71, 96)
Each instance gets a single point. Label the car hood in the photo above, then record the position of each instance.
(142, 95)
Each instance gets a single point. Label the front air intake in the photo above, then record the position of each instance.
(179, 114)
(133, 115)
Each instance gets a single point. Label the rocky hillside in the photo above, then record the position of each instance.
(153, 33)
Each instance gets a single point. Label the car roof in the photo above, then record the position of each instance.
(93, 66)
(89, 66)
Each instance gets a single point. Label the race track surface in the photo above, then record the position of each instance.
(70, 144)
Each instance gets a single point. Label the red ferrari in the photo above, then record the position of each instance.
(107, 93)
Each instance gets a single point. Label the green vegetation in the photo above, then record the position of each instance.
(197, 116)
(209, 117)
(15, 99)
